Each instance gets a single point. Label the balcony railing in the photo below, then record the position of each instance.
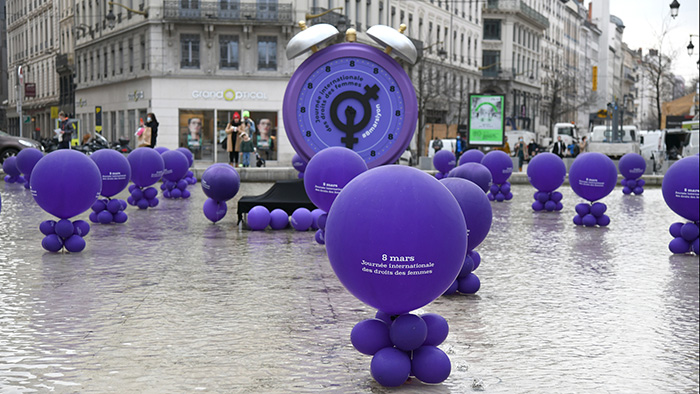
(228, 12)
(64, 63)
(518, 6)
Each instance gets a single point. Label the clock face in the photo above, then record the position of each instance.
(351, 95)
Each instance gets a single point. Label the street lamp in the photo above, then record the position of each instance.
(691, 47)
(674, 8)
(112, 20)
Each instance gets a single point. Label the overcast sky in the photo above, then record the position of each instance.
(645, 20)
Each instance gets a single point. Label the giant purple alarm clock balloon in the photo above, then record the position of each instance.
(475, 206)
(475, 172)
(220, 182)
(592, 176)
(500, 165)
(146, 166)
(396, 238)
(115, 171)
(546, 171)
(66, 183)
(444, 161)
(328, 172)
(175, 165)
(681, 189)
(632, 165)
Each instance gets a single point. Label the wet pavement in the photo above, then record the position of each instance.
(171, 303)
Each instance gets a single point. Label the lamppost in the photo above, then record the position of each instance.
(675, 5)
(422, 99)
(691, 48)
(112, 20)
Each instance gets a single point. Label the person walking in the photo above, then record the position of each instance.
(66, 128)
(232, 141)
(152, 122)
(246, 146)
(521, 152)
(559, 148)
(583, 145)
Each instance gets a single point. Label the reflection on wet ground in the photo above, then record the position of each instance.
(170, 303)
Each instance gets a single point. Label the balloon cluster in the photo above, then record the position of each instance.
(220, 182)
(13, 173)
(467, 282)
(64, 234)
(501, 167)
(681, 191)
(591, 215)
(175, 165)
(299, 164)
(548, 201)
(107, 211)
(259, 218)
(143, 197)
(147, 168)
(26, 160)
(444, 161)
(546, 172)
(632, 167)
(175, 190)
(402, 346)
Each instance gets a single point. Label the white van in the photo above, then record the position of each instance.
(447, 144)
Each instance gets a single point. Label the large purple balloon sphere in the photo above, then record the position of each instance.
(10, 166)
(546, 171)
(632, 166)
(471, 156)
(146, 166)
(444, 161)
(592, 176)
(175, 165)
(27, 159)
(475, 206)
(188, 154)
(221, 182)
(500, 165)
(115, 171)
(475, 172)
(298, 163)
(328, 172)
(66, 183)
(386, 220)
(680, 188)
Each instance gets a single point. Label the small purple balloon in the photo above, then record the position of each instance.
(632, 166)
(476, 258)
(598, 209)
(175, 165)
(220, 182)
(328, 172)
(47, 227)
(81, 227)
(320, 237)
(537, 206)
(475, 206)
(690, 232)
(142, 204)
(298, 163)
(188, 154)
(214, 210)
(467, 266)
(27, 159)
(301, 217)
(471, 156)
(161, 149)
(321, 221)
(75, 243)
(315, 214)
(444, 161)
(546, 171)
(408, 331)
(105, 217)
(390, 367)
(583, 209)
(115, 171)
(430, 365)
(52, 243)
(578, 220)
(475, 172)
(64, 228)
(469, 284)
(438, 329)
(120, 217)
(258, 218)
(681, 188)
(589, 220)
(550, 206)
(279, 219)
(146, 166)
(675, 229)
(10, 166)
(370, 336)
(500, 165)
(592, 176)
(677, 246)
(603, 220)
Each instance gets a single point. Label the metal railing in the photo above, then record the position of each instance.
(228, 12)
(518, 5)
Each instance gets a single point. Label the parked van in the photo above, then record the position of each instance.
(614, 144)
(447, 144)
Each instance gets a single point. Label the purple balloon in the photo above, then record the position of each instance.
(475, 172)
(444, 161)
(696, 246)
(175, 193)
(315, 214)
(578, 220)
(142, 204)
(589, 220)
(626, 190)
(408, 331)
(188, 154)
(583, 209)
(105, 217)
(476, 258)
(675, 229)
(452, 289)
(632, 166)
(27, 159)
(301, 217)
(320, 237)
(81, 227)
(439, 175)
(598, 209)
(146, 166)
(298, 163)
(638, 190)
(279, 219)
(469, 284)
(475, 206)
(321, 221)
(550, 206)
(48, 227)
(375, 273)
(113, 206)
(175, 165)
(556, 196)
(150, 193)
(467, 266)
(65, 183)
(10, 166)
(328, 172)
(500, 165)
(537, 206)
(543, 197)
(52, 243)
(214, 210)
(383, 316)
(603, 220)
(505, 188)
(120, 217)
(430, 365)
(494, 189)
(390, 367)
(161, 149)
(220, 182)
(546, 171)
(75, 243)
(592, 175)
(370, 336)
(690, 232)
(677, 245)
(680, 188)
(115, 171)
(437, 329)
(471, 156)
(258, 218)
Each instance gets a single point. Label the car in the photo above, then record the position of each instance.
(11, 145)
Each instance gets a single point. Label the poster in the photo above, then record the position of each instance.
(486, 120)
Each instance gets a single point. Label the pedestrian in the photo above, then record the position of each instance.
(437, 145)
(65, 131)
(583, 145)
(143, 135)
(532, 148)
(232, 141)
(559, 148)
(246, 146)
(521, 152)
(505, 147)
(250, 123)
(152, 123)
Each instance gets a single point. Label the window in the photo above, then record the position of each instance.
(492, 29)
(491, 63)
(267, 53)
(106, 64)
(114, 61)
(131, 55)
(190, 51)
(228, 52)
(121, 59)
(143, 52)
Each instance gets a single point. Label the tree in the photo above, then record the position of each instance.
(657, 66)
(428, 94)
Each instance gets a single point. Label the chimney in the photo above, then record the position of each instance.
(590, 11)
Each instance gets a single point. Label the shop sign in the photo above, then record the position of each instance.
(136, 95)
(228, 95)
(80, 103)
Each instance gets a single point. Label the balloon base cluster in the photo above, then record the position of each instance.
(547, 201)
(107, 211)
(142, 197)
(175, 190)
(591, 215)
(630, 186)
(500, 193)
(467, 282)
(403, 346)
(686, 238)
(259, 218)
(16, 179)
(64, 234)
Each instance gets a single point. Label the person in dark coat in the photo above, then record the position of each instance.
(67, 129)
(559, 147)
(152, 122)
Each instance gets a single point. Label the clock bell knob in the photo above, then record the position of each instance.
(395, 41)
(309, 38)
